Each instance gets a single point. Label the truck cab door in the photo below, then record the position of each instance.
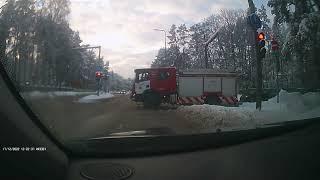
(142, 82)
(164, 82)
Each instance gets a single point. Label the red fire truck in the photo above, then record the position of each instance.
(154, 86)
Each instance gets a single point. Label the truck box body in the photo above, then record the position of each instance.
(197, 85)
(190, 86)
(203, 82)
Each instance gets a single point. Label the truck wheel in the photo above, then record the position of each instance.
(151, 100)
(212, 100)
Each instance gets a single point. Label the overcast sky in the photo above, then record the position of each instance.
(124, 28)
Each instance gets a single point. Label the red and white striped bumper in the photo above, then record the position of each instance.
(190, 100)
(228, 101)
(224, 101)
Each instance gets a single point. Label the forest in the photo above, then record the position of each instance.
(39, 48)
(297, 31)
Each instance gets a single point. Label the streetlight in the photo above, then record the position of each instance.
(98, 75)
(165, 41)
(89, 47)
(5, 3)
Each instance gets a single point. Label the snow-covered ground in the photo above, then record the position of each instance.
(52, 94)
(95, 98)
(292, 106)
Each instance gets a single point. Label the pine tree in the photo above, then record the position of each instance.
(301, 42)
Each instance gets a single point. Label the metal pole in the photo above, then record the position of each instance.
(206, 44)
(103, 81)
(165, 45)
(252, 9)
(205, 53)
(206, 56)
(278, 98)
(278, 70)
(92, 47)
(99, 53)
(165, 41)
(98, 91)
(259, 81)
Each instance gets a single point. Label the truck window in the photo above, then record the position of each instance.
(143, 76)
(164, 75)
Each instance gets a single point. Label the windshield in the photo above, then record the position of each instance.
(90, 69)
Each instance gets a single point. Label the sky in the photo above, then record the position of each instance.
(125, 28)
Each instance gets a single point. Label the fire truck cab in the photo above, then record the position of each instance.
(154, 85)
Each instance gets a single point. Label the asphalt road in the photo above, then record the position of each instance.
(69, 119)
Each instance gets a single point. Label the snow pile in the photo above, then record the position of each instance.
(239, 96)
(293, 102)
(211, 117)
(311, 99)
(292, 106)
(51, 94)
(34, 94)
(95, 98)
(70, 93)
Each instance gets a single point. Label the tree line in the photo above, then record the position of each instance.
(297, 30)
(38, 46)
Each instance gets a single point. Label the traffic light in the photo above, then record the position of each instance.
(262, 44)
(98, 75)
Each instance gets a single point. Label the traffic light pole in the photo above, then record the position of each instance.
(278, 70)
(90, 47)
(93, 47)
(98, 89)
(252, 9)
(275, 51)
(259, 81)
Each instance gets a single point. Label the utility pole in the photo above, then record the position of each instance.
(98, 74)
(275, 49)
(252, 10)
(90, 47)
(165, 42)
(278, 70)
(206, 46)
(165, 45)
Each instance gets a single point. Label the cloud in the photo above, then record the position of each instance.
(127, 61)
(125, 28)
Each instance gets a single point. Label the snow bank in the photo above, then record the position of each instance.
(210, 117)
(292, 106)
(239, 96)
(293, 102)
(95, 98)
(51, 94)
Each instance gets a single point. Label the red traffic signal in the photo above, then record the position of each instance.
(261, 44)
(98, 74)
(261, 36)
